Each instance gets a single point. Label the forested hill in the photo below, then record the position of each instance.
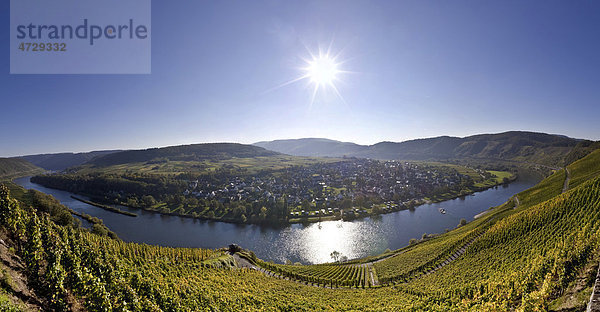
(535, 147)
(14, 167)
(61, 161)
(194, 152)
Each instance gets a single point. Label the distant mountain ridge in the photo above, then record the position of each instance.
(61, 161)
(536, 147)
(312, 147)
(542, 148)
(191, 152)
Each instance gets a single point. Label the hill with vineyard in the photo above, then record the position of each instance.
(14, 167)
(521, 146)
(538, 251)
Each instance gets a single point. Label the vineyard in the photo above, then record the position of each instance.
(529, 259)
(545, 190)
(416, 261)
(326, 275)
(585, 169)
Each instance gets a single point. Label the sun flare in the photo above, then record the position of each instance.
(322, 70)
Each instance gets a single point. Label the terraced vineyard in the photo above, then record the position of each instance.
(585, 169)
(328, 275)
(548, 188)
(540, 257)
(417, 261)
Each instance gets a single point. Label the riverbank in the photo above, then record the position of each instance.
(409, 205)
(352, 214)
(105, 207)
(305, 243)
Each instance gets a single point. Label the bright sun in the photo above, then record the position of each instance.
(322, 70)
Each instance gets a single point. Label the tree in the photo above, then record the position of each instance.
(335, 255)
(463, 222)
(148, 200)
(263, 213)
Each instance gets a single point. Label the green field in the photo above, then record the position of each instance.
(249, 165)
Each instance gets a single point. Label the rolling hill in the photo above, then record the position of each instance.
(14, 167)
(61, 161)
(193, 152)
(535, 147)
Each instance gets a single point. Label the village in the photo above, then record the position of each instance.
(345, 189)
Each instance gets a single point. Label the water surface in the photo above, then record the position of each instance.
(312, 243)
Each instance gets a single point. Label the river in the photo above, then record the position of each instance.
(310, 243)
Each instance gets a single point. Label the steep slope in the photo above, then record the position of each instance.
(14, 167)
(581, 150)
(192, 152)
(61, 161)
(584, 169)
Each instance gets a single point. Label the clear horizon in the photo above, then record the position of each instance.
(407, 70)
(250, 143)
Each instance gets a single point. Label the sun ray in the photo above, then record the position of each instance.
(285, 84)
(335, 89)
(314, 94)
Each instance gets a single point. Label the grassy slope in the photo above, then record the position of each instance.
(61, 161)
(253, 165)
(184, 152)
(546, 189)
(15, 167)
(585, 169)
(582, 170)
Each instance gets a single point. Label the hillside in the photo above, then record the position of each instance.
(523, 146)
(15, 167)
(61, 161)
(312, 147)
(539, 257)
(194, 152)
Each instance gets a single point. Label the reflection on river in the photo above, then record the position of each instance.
(310, 243)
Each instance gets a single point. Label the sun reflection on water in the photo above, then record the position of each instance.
(314, 243)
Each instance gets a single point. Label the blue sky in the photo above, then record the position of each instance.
(419, 69)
